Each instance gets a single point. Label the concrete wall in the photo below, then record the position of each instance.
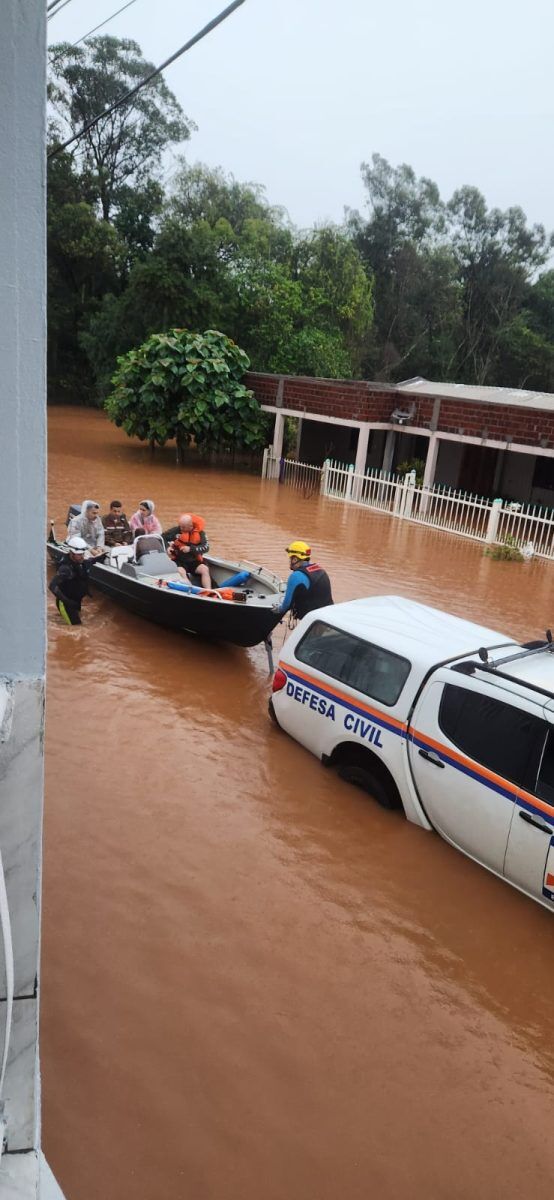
(22, 577)
(22, 333)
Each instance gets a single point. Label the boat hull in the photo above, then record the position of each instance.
(218, 620)
(241, 624)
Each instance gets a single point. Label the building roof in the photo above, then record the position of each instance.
(513, 397)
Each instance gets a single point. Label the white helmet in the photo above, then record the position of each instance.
(77, 545)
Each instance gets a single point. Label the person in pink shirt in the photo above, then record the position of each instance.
(144, 520)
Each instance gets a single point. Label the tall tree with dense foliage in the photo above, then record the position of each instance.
(126, 148)
(225, 258)
(450, 279)
(497, 254)
(84, 263)
(187, 386)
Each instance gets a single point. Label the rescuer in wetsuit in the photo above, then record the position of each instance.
(308, 586)
(70, 583)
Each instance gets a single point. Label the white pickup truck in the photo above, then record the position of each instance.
(450, 720)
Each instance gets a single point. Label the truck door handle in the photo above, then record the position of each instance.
(525, 816)
(430, 756)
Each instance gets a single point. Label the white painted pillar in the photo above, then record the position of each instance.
(22, 586)
(361, 449)
(431, 461)
(494, 517)
(388, 452)
(429, 474)
(278, 432)
(409, 495)
(349, 481)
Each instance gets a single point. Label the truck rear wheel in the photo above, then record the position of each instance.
(362, 768)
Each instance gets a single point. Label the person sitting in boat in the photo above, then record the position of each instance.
(117, 530)
(187, 549)
(70, 583)
(144, 519)
(308, 584)
(89, 526)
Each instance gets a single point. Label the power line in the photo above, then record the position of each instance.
(57, 7)
(102, 23)
(222, 16)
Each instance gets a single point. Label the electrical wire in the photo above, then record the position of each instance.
(57, 7)
(222, 16)
(101, 25)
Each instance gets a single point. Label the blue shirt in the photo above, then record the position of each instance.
(296, 579)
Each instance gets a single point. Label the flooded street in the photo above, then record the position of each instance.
(257, 985)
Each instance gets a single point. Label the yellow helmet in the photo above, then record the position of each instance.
(299, 550)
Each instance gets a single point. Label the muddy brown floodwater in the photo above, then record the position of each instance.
(257, 985)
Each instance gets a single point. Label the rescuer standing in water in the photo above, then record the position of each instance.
(308, 586)
(70, 583)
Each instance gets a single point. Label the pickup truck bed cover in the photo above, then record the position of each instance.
(416, 631)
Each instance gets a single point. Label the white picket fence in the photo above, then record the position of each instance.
(491, 521)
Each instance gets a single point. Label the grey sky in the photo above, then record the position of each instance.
(295, 94)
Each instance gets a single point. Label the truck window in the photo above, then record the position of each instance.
(545, 782)
(504, 738)
(367, 668)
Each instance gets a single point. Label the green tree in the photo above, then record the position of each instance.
(497, 255)
(223, 258)
(84, 261)
(337, 290)
(126, 148)
(402, 244)
(187, 386)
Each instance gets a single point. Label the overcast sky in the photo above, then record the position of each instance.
(295, 94)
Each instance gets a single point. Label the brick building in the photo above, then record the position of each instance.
(488, 441)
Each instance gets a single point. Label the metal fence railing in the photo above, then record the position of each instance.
(448, 509)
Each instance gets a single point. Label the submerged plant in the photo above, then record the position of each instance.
(506, 551)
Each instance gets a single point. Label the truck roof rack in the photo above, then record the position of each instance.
(534, 648)
(469, 666)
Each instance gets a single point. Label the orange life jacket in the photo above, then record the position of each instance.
(188, 538)
(223, 594)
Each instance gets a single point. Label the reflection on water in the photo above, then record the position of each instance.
(257, 983)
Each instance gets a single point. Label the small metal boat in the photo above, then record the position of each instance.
(240, 608)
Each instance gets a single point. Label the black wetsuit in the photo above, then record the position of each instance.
(69, 585)
(317, 595)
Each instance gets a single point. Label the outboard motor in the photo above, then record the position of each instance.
(74, 510)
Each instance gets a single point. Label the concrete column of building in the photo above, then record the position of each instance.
(388, 452)
(278, 432)
(429, 473)
(361, 449)
(431, 461)
(22, 586)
